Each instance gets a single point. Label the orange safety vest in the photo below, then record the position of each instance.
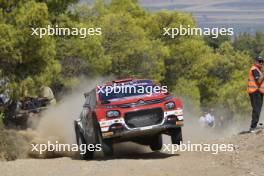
(253, 86)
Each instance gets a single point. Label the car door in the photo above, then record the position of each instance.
(85, 112)
(89, 121)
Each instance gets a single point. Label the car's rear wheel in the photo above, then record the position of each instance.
(176, 135)
(84, 153)
(156, 143)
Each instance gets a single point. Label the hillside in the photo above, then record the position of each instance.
(243, 15)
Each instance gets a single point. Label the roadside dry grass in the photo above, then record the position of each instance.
(13, 145)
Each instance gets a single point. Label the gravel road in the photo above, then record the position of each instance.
(246, 159)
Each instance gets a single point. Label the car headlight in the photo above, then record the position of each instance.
(170, 105)
(112, 114)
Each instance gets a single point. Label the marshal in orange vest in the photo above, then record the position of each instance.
(253, 85)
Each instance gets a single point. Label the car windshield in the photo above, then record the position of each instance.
(125, 90)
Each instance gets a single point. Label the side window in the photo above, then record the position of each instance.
(87, 99)
(93, 98)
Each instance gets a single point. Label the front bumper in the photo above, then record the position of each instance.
(117, 128)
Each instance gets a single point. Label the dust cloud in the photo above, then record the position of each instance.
(56, 124)
(194, 132)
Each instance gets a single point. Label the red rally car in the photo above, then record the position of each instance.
(110, 117)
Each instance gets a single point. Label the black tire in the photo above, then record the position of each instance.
(107, 147)
(106, 144)
(176, 135)
(87, 155)
(156, 143)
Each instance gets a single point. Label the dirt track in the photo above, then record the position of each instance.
(247, 160)
(133, 159)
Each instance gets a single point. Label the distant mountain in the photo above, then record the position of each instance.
(242, 15)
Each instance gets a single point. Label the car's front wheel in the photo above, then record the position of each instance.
(106, 144)
(176, 135)
(84, 153)
(156, 143)
(107, 147)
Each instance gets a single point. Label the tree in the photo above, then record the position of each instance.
(57, 7)
(254, 44)
(204, 71)
(126, 6)
(27, 60)
(80, 55)
(9, 48)
(132, 53)
(215, 43)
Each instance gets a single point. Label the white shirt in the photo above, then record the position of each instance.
(206, 119)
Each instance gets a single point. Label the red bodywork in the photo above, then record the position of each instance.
(136, 106)
(101, 109)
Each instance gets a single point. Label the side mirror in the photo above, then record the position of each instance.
(86, 94)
